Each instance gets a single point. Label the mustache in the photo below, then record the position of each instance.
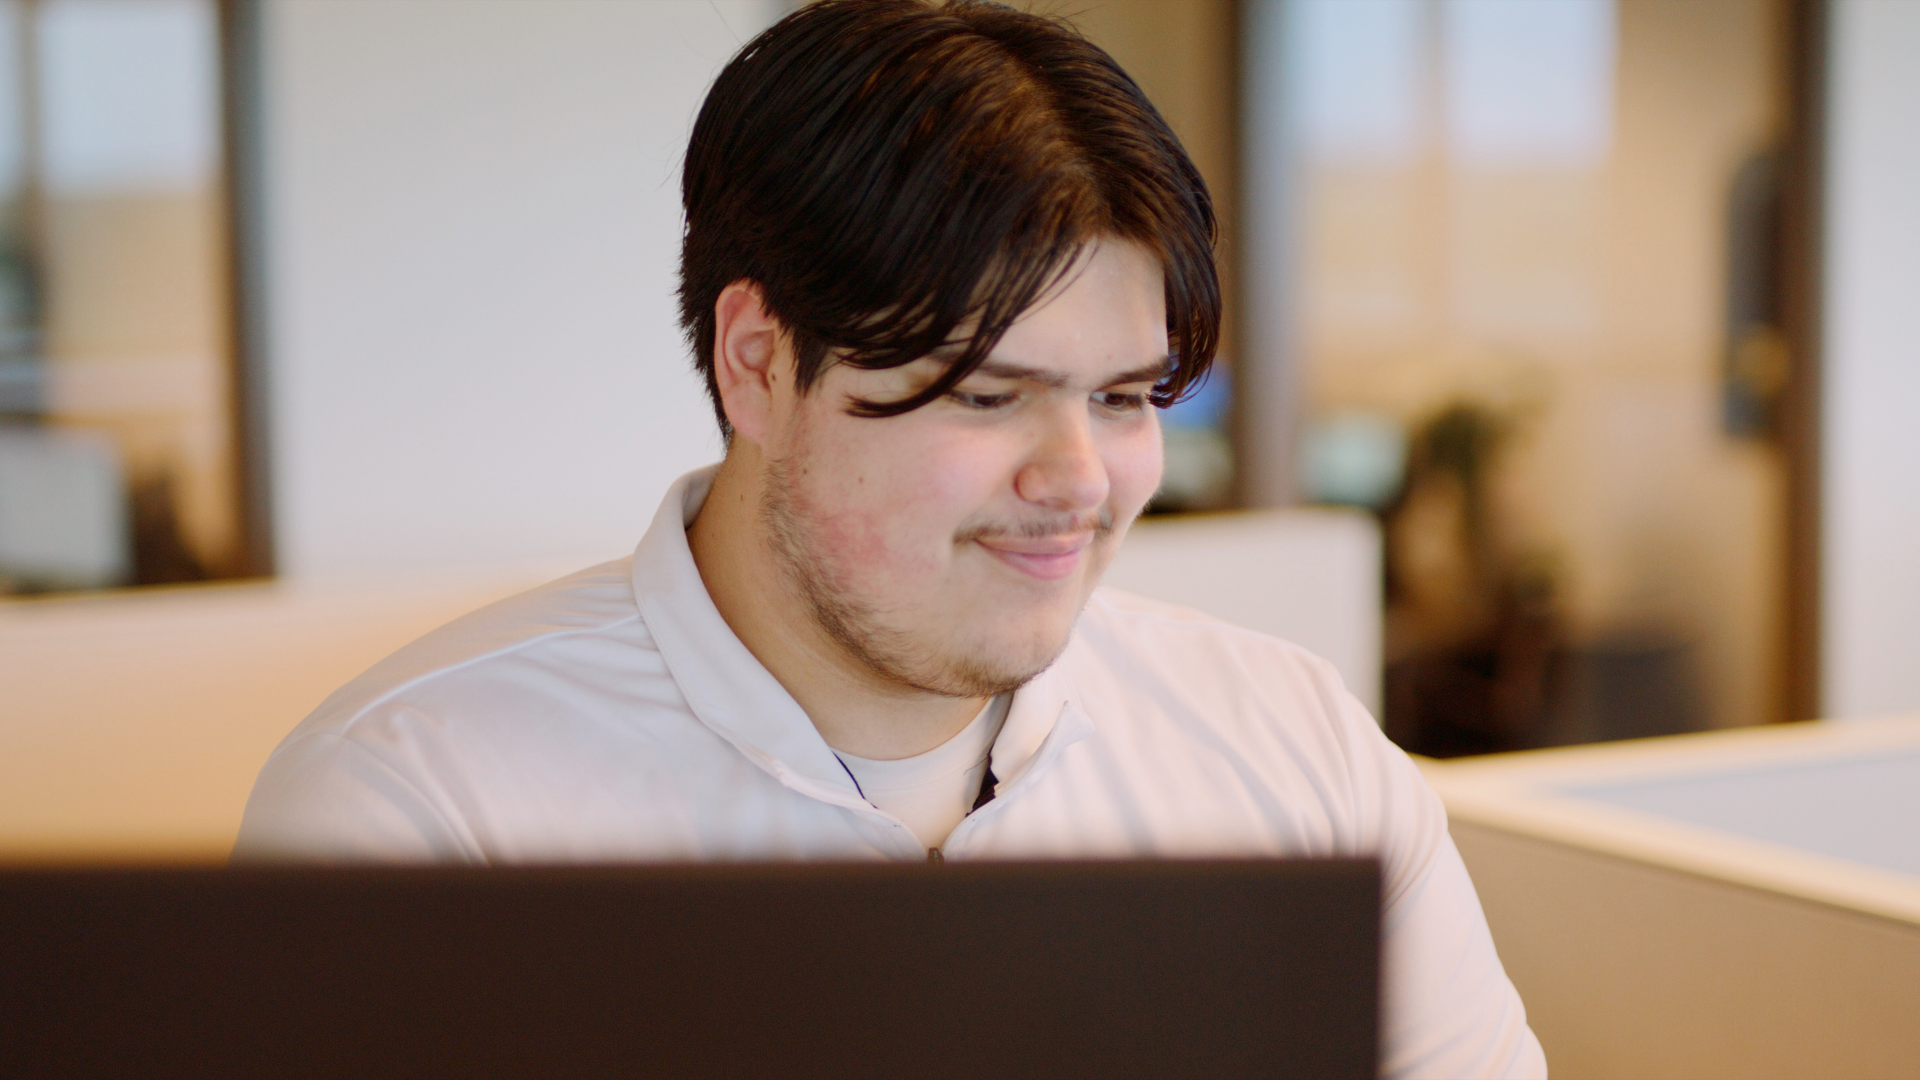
(1100, 525)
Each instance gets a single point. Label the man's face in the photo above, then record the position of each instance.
(951, 548)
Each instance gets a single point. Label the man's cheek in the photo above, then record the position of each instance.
(878, 545)
(928, 484)
(1134, 469)
(964, 473)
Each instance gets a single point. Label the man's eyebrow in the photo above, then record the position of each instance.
(1001, 369)
(1146, 373)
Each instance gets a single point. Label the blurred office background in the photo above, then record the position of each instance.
(116, 360)
(1569, 395)
(1598, 312)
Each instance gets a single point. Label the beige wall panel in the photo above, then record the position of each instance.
(133, 724)
(1635, 971)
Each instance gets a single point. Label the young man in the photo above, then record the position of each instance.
(941, 264)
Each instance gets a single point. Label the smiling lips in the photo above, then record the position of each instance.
(1048, 558)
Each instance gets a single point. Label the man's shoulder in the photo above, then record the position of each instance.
(1136, 655)
(574, 614)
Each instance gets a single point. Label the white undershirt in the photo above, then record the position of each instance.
(931, 792)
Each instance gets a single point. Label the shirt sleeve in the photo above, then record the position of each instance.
(1448, 1010)
(325, 797)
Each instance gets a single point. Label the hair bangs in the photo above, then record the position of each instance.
(901, 180)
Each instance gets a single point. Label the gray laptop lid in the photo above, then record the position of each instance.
(1218, 969)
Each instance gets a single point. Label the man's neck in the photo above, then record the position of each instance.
(856, 710)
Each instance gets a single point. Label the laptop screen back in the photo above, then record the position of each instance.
(1249, 968)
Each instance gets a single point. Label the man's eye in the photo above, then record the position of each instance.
(981, 401)
(1116, 401)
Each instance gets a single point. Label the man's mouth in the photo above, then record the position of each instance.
(1048, 558)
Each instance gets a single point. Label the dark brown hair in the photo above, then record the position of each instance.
(888, 171)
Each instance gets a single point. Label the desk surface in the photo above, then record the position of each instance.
(1862, 809)
(1826, 811)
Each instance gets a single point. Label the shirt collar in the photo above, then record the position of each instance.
(1039, 708)
(732, 693)
(724, 684)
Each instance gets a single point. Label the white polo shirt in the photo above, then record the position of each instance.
(614, 716)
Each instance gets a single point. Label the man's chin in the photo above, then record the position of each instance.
(993, 635)
(998, 662)
(983, 678)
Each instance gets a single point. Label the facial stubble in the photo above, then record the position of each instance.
(860, 628)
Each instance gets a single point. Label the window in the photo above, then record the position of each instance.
(119, 437)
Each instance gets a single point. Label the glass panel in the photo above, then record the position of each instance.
(114, 297)
(1512, 276)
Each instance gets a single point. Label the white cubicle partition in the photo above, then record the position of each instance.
(1870, 361)
(1731, 904)
(1310, 576)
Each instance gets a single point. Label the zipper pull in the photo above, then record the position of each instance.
(934, 858)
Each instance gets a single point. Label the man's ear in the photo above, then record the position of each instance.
(748, 343)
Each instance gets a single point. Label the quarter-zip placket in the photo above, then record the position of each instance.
(1070, 728)
(989, 784)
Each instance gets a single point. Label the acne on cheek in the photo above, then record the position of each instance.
(856, 539)
(859, 511)
(863, 544)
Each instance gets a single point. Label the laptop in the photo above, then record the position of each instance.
(1108, 969)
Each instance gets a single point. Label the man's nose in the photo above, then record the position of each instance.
(1065, 471)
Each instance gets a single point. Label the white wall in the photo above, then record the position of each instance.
(472, 226)
(1871, 527)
